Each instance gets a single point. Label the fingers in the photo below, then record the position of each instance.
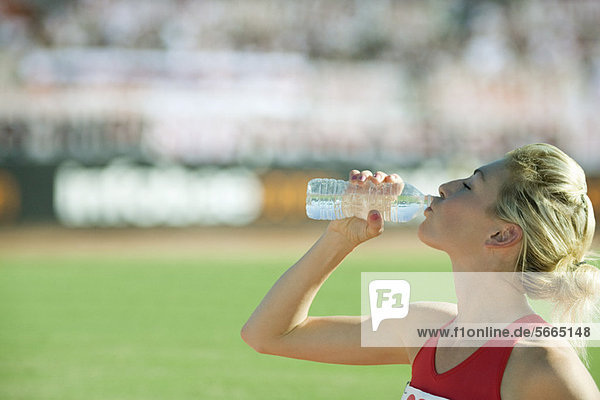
(397, 184)
(360, 177)
(374, 224)
(365, 176)
(379, 177)
(393, 178)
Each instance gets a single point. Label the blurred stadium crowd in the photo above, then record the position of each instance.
(116, 112)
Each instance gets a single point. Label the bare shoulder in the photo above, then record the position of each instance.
(538, 370)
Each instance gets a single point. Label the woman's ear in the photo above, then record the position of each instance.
(508, 235)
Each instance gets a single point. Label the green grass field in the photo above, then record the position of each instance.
(167, 327)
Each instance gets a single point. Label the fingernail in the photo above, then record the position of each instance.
(374, 216)
(363, 178)
(354, 177)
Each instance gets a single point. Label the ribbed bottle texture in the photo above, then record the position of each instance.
(329, 199)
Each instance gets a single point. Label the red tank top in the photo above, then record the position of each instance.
(477, 377)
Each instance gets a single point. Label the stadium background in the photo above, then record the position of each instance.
(154, 159)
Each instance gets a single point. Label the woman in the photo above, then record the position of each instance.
(527, 212)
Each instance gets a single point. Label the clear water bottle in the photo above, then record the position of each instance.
(329, 199)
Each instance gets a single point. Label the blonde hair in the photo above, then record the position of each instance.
(546, 195)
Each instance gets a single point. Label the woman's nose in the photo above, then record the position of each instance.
(446, 189)
(442, 189)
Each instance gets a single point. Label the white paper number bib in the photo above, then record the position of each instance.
(411, 393)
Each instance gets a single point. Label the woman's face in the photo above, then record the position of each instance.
(459, 220)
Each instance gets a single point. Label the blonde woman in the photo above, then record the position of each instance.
(527, 212)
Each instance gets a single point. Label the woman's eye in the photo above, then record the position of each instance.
(467, 186)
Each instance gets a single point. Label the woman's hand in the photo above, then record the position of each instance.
(357, 230)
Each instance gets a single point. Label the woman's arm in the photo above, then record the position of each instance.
(280, 324)
(286, 305)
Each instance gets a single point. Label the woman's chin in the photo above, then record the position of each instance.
(422, 235)
(425, 238)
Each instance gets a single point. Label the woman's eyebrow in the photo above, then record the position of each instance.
(478, 170)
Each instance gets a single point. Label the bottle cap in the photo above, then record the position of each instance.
(427, 199)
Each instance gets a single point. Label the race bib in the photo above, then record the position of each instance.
(411, 393)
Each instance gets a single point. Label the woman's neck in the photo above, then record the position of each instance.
(489, 297)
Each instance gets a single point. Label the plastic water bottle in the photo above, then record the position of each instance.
(329, 199)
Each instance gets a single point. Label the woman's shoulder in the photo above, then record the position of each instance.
(547, 370)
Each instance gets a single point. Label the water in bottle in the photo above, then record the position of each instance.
(329, 199)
